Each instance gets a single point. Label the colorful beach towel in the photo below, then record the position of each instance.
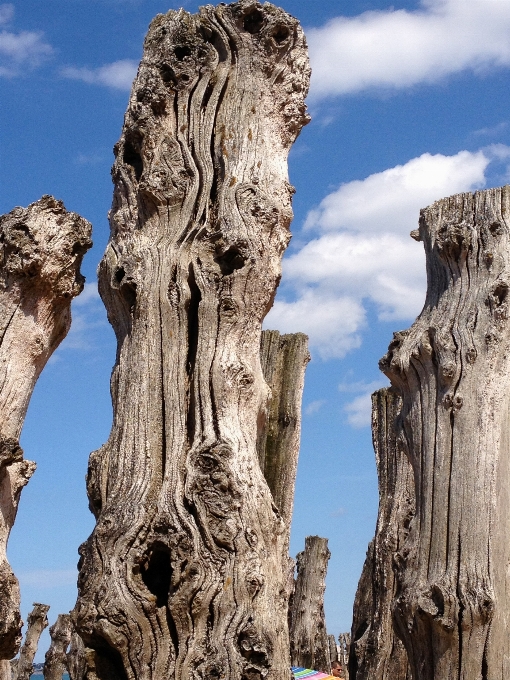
(299, 673)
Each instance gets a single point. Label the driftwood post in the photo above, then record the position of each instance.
(41, 250)
(452, 370)
(75, 658)
(309, 642)
(184, 573)
(55, 661)
(376, 653)
(37, 622)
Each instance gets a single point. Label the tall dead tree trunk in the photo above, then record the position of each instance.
(37, 622)
(183, 575)
(41, 250)
(284, 359)
(376, 653)
(452, 369)
(333, 649)
(75, 658)
(55, 660)
(309, 644)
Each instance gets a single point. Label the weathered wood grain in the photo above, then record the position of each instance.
(37, 622)
(376, 653)
(184, 573)
(75, 658)
(452, 369)
(55, 660)
(309, 644)
(41, 248)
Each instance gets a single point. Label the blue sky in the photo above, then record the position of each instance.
(410, 103)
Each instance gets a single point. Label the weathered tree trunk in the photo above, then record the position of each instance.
(75, 658)
(309, 644)
(344, 644)
(452, 369)
(376, 653)
(37, 622)
(183, 575)
(333, 648)
(55, 661)
(42, 247)
(283, 359)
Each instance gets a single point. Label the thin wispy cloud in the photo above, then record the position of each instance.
(314, 407)
(395, 49)
(360, 252)
(20, 51)
(48, 578)
(118, 75)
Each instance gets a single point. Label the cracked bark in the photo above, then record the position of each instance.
(376, 653)
(184, 573)
(284, 359)
(41, 249)
(37, 622)
(55, 661)
(75, 658)
(451, 368)
(309, 644)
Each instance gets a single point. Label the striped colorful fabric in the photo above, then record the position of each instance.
(299, 673)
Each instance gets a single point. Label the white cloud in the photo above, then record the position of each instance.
(48, 578)
(400, 48)
(6, 13)
(362, 252)
(314, 406)
(359, 410)
(118, 75)
(20, 51)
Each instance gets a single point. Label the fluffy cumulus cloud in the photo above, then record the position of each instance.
(118, 75)
(400, 48)
(360, 251)
(19, 51)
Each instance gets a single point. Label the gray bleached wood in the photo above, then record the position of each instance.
(75, 658)
(376, 653)
(55, 661)
(284, 359)
(42, 247)
(37, 622)
(452, 370)
(184, 573)
(309, 644)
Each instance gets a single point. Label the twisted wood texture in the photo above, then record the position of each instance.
(75, 658)
(309, 643)
(41, 249)
(184, 575)
(376, 653)
(284, 359)
(452, 370)
(37, 622)
(55, 660)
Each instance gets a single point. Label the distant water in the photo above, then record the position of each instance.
(38, 676)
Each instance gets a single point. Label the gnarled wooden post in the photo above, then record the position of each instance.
(75, 658)
(452, 369)
(376, 653)
(184, 574)
(37, 622)
(41, 249)
(283, 359)
(309, 644)
(55, 660)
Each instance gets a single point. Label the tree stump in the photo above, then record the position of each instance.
(42, 248)
(37, 622)
(452, 370)
(183, 575)
(309, 644)
(55, 660)
(376, 653)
